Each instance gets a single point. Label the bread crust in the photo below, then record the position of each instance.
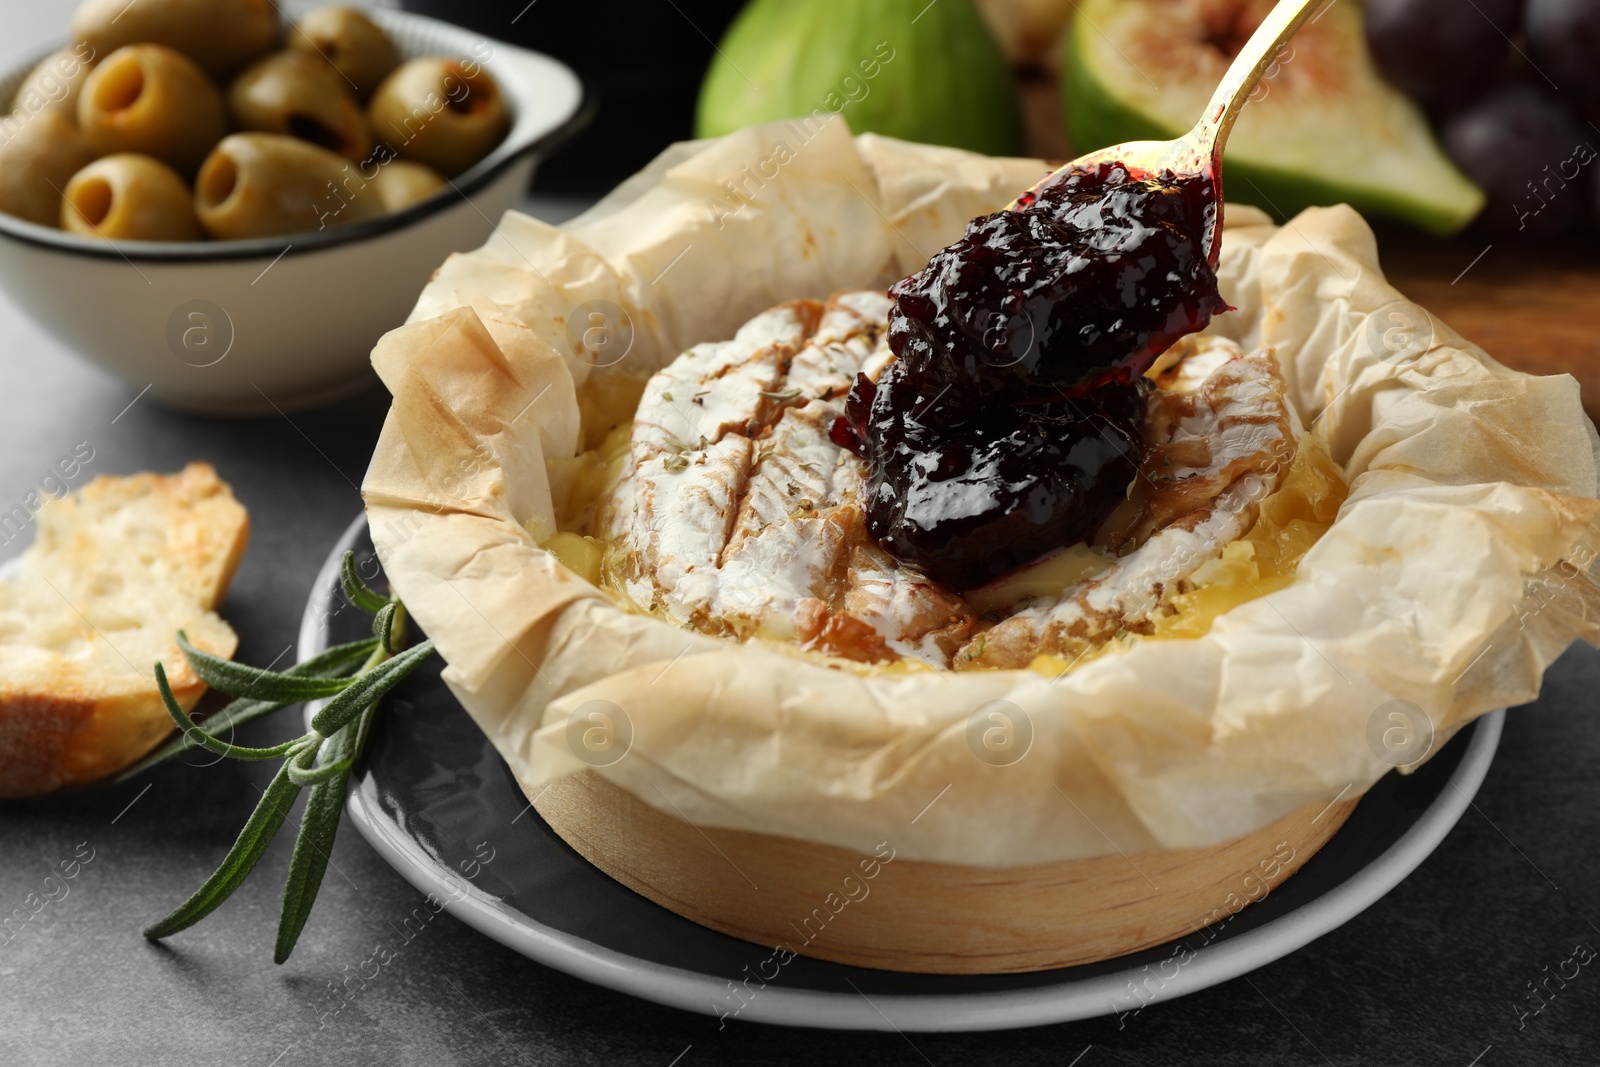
(62, 722)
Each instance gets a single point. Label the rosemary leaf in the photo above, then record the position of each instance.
(192, 729)
(313, 846)
(383, 625)
(340, 661)
(252, 842)
(234, 714)
(238, 680)
(339, 734)
(367, 688)
(305, 775)
(355, 590)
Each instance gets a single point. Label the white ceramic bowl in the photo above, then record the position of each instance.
(247, 327)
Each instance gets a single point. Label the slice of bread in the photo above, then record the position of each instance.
(115, 570)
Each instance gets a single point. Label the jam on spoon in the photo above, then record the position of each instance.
(1008, 426)
(1087, 281)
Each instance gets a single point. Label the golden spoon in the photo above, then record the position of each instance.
(1199, 152)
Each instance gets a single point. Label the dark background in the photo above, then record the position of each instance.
(641, 59)
(1436, 973)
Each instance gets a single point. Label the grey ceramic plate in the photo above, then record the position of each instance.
(433, 797)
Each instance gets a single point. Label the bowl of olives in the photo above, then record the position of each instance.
(249, 202)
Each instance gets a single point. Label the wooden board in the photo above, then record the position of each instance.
(897, 914)
(1534, 308)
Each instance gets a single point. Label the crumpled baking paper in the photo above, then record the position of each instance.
(1458, 569)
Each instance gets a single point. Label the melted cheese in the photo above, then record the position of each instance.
(1263, 561)
(1047, 578)
(579, 554)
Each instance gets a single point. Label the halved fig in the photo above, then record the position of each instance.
(1324, 128)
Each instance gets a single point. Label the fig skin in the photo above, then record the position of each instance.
(297, 95)
(933, 74)
(265, 185)
(39, 154)
(1312, 140)
(219, 35)
(153, 100)
(350, 43)
(443, 113)
(130, 197)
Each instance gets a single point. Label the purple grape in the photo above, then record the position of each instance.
(1563, 44)
(1528, 154)
(1438, 49)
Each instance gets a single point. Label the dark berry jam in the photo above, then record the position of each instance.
(1008, 426)
(967, 501)
(1087, 282)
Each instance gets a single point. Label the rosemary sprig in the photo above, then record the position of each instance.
(354, 677)
(340, 661)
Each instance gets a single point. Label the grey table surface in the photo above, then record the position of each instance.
(1439, 972)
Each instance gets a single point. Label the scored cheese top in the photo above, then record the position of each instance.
(732, 512)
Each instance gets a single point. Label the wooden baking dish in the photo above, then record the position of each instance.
(937, 918)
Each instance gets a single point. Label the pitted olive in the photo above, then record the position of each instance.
(444, 113)
(400, 184)
(55, 83)
(39, 154)
(350, 42)
(150, 99)
(220, 35)
(265, 184)
(132, 198)
(297, 95)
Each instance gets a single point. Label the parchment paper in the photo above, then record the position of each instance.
(1456, 572)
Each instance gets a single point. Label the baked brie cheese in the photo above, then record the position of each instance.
(729, 507)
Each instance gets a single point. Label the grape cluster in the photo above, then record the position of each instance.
(1514, 86)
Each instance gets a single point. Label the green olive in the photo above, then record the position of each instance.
(55, 83)
(300, 96)
(264, 184)
(39, 154)
(220, 35)
(400, 184)
(445, 113)
(149, 99)
(130, 197)
(350, 42)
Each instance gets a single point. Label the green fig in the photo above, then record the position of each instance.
(1322, 128)
(910, 69)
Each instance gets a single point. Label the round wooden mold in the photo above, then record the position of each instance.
(932, 918)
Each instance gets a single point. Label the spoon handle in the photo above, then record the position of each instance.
(1206, 140)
